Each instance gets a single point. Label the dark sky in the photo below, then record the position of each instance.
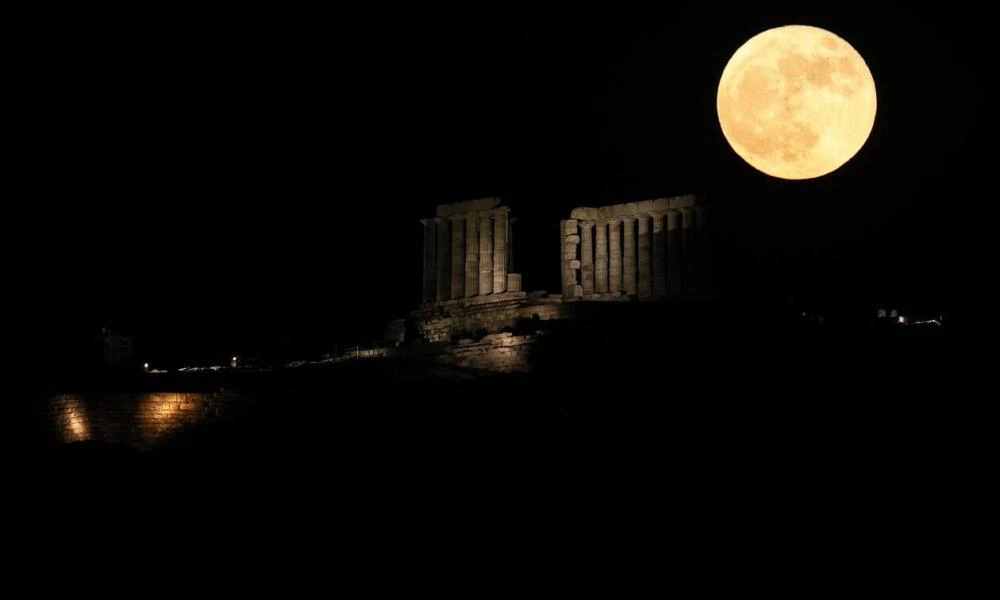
(219, 182)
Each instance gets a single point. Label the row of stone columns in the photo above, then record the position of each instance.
(648, 254)
(466, 255)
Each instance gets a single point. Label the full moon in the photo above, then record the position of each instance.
(796, 102)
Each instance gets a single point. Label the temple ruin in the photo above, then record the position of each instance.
(649, 249)
(472, 304)
(467, 250)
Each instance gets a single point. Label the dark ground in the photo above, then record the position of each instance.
(721, 429)
(788, 461)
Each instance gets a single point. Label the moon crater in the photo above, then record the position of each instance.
(796, 102)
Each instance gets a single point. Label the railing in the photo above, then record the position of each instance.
(366, 350)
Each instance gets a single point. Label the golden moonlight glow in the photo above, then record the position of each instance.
(796, 102)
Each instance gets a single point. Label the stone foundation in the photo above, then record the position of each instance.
(498, 352)
(472, 317)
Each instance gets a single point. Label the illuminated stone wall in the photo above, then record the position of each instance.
(446, 322)
(648, 249)
(467, 252)
(498, 352)
(140, 420)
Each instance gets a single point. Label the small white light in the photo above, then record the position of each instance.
(902, 319)
(234, 359)
(145, 365)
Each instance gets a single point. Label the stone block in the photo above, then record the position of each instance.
(466, 207)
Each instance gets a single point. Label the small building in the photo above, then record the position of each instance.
(116, 350)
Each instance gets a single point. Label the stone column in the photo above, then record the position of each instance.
(687, 249)
(659, 256)
(673, 252)
(471, 255)
(628, 255)
(645, 287)
(500, 250)
(443, 259)
(587, 257)
(615, 256)
(510, 247)
(570, 264)
(485, 255)
(601, 259)
(430, 260)
(457, 257)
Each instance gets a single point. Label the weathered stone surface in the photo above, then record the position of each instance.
(443, 277)
(570, 241)
(513, 282)
(682, 201)
(500, 250)
(628, 256)
(452, 320)
(471, 256)
(485, 254)
(457, 257)
(614, 256)
(645, 285)
(587, 256)
(499, 353)
(468, 206)
(659, 255)
(601, 258)
(632, 208)
(140, 420)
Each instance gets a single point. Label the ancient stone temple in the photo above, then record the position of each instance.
(473, 311)
(467, 250)
(650, 249)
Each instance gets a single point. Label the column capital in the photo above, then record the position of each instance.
(628, 218)
(458, 217)
(428, 221)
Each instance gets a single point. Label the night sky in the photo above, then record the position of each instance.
(250, 181)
